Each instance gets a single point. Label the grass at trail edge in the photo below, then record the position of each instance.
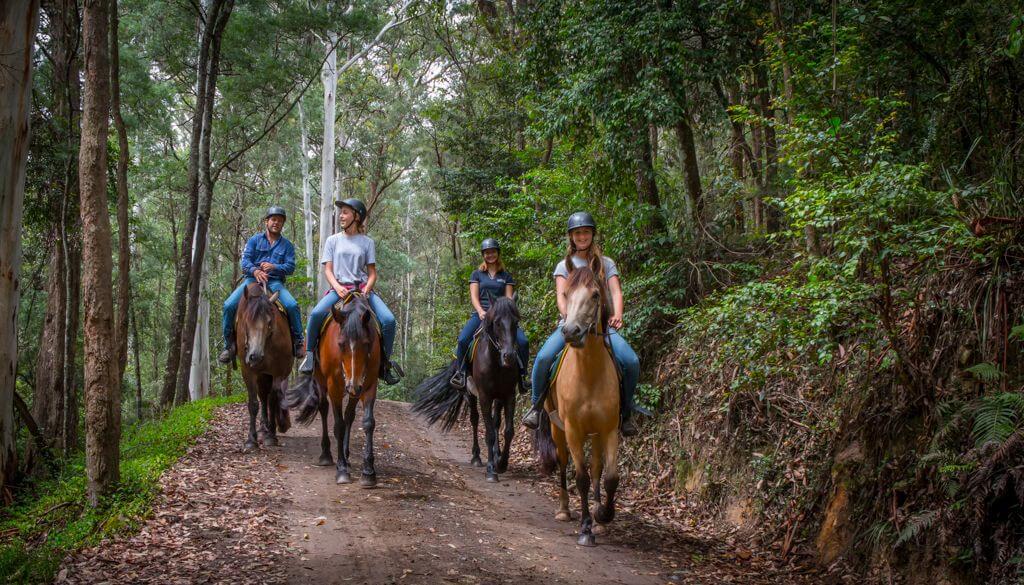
(54, 518)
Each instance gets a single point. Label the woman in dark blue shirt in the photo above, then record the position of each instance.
(488, 282)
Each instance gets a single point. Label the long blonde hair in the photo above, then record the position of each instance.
(594, 258)
(497, 264)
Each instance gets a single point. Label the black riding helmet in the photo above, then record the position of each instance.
(489, 244)
(276, 210)
(581, 219)
(358, 206)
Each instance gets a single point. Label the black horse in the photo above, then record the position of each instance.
(492, 383)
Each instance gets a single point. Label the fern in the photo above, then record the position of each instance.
(916, 525)
(1017, 332)
(985, 371)
(996, 417)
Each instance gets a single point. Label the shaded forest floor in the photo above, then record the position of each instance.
(273, 517)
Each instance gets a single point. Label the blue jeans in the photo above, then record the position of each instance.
(323, 309)
(624, 356)
(466, 339)
(290, 305)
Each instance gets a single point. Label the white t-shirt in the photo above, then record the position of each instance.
(350, 256)
(609, 267)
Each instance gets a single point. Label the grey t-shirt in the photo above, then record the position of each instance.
(609, 267)
(350, 256)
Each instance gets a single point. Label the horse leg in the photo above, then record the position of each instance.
(369, 477)
(510, 430)
(266, 436)
(474, 418)
(490, 436)
(272, 407)
(605, 512)
(325, 441)
(342, 432)
(586, 537)
(496, 413)
(596, 468)
(562, 450)
(254, 406)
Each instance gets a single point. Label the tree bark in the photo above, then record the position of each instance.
(691, 174)
(771, 158)
(329, 76)
(184, 265)
(307, 207)
(205, 202)
(646, 185)
(102, 392)
(123, 249)
(136, 350)
(48, 394)
(18, 21)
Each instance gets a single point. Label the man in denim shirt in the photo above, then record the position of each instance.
(268, 258)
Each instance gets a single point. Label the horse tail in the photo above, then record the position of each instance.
(544, 444)
(305, 397)
(437, 400)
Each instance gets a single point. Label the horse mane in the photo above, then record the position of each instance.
(258, 304)
(502, 308)
(352, 316)
(584, 276)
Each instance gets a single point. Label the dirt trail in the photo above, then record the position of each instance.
(272, 517)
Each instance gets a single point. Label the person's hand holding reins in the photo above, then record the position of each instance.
(267, 266)
(260, 276)
(481, 314)
(615, 321)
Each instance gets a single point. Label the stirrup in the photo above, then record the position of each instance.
(458, 379)
(532, 419)
(228, 355)
(308, 364)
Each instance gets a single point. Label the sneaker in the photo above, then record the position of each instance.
(228, 355)
(306, 367)
(458, 379)
(532, 419)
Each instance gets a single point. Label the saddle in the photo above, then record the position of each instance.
(337, 308)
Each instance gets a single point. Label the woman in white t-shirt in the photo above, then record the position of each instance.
(584, 250)
(350, 263)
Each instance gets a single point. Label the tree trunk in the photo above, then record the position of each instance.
(307, 208)
(136, 350)
(205, 203)
(329, 76)
(73, 279)
(199, 372)
(123, 251)
(771, 157)
(691, 174)
(646, 185)
(18, 20)
(48, 393)
(102, 392)
(184, 265)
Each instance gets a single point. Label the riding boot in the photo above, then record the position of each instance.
(525, 385)
(626, 425)
(532, 418)
(228, 355)
(297, 349)
(387, 372)
(306, 367)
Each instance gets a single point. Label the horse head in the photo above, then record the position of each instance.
(586, 306)
(257, 322)
(356, 342)
(502, 323)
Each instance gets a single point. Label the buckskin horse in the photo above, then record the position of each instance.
(264, 338)
(492, 382)
(585, 396)
(348, 365)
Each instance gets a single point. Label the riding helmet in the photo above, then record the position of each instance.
(276, 210)
(355, 204)
(489, 244)
(581, 219)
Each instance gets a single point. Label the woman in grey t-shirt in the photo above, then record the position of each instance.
(583, 247)
(350, 263)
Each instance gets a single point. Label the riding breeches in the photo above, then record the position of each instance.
(628, 362)
(323, 309)
(286, 298)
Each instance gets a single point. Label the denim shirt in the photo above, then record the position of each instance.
(259, 249)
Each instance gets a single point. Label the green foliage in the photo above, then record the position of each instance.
(56, 520)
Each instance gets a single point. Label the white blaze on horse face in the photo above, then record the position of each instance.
(581, 308)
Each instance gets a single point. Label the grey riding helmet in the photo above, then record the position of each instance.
(358, 206)
(276, 210)
(581, 219)
(489, 244)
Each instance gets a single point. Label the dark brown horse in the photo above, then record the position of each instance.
(348, 365)
(265, 343)
(492, 383)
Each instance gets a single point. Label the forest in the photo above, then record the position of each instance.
(817, 211)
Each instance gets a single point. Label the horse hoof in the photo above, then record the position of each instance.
(604, 515)
(563, 516)
(476, 462)
(249, 447)
(502, 467)
(586, 540)
(600, 529)
(342, 477)
(368, 481)
(492, 478)
(271, 441)
(324, 461)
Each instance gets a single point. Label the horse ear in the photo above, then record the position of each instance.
(273, 297)
(245, 291)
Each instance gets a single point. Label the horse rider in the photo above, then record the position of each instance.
(268, 258)
(584, 250)
(350, 263)
(487, 283)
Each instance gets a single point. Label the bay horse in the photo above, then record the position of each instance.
(348, 366)
(585, 395)
(492, 383)
(265, 343)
